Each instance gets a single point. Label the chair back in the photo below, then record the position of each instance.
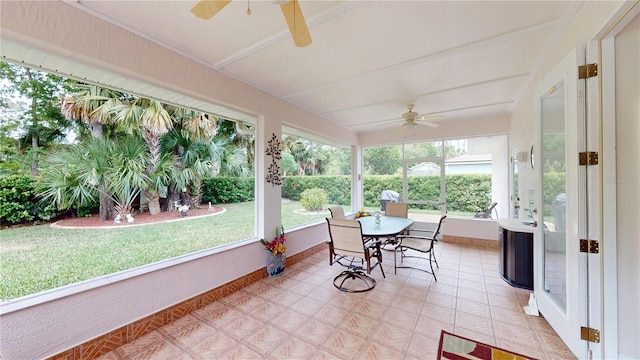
(337, 212)
(437, 231)
(397, 210)
(346, 237)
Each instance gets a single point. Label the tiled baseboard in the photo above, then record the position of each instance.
(485, 243)
(116, 338)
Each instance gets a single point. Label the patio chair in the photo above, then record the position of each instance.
(348, 248)
(397, 209)
(337, 212)
(421, 244)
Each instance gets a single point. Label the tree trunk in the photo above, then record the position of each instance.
(153, 201)
(34, 159)
(106, 206)
(197, 200)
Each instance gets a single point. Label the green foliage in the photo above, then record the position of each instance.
(288, 164)
(382, 160)
(554, 185)
(313, 199)
(16, 199)
(225, 190)
(468, 192)
(337, 188)
(19, 202)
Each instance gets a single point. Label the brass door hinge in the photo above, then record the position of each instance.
(589, 246)
(587, 71)
(589, 334)
(588, 158)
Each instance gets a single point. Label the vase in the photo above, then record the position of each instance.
(276, 264)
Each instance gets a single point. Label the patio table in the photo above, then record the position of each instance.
(388, 226)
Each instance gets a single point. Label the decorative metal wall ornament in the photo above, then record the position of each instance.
(273, 147)
(273, 150)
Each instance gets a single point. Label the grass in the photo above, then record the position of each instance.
(38, 258)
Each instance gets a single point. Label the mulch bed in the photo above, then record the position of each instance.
(140, 218)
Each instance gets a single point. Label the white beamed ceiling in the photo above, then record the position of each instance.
(464, 60)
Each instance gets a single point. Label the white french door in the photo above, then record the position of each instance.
(561, 279)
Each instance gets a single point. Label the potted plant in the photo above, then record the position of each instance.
(277, 259)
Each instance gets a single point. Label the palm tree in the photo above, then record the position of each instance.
(153, 120)
(74, 175)
(93, 105)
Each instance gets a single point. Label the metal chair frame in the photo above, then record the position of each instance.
(422, 244)
(346, 252)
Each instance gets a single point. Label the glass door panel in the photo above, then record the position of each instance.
(552, 160)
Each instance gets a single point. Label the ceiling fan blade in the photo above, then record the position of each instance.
(297, 24)
(429, 124)
(422, 119)
(206, 9)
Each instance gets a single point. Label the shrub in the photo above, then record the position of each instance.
(313, 199)
(337, 188)
(225, 190)
(19, 202)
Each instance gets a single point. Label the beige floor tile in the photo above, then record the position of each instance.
(359, 325)
(407, 304)
(240, 352)
(293, 348)
(475, 323)
(399, 317)
(392, 336)
(423, 347)
(265, 339)
(315, 331)
(375, 351)
(344, 344)
(243, 327)
(439, 313)
(301, 315)
(432, 328)
(473, 307)
(214, 345)
(190, 335)
(289, 320)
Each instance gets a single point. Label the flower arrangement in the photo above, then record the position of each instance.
(362, 213)
(276, 246)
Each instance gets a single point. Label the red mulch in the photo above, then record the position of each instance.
(140, 218)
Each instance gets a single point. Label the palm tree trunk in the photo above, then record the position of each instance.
(153, 201)
(106, 205)
(197, 200)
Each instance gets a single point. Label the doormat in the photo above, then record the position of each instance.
(454, 347)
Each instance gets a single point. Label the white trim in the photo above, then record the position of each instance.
(608, 230)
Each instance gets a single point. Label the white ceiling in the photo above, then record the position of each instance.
(464, 60)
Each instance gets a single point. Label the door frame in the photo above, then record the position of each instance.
(605, 58)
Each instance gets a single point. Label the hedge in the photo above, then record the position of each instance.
(19, 202)
(226, 190)
(338, 187)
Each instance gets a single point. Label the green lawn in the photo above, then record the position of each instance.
(38, 258)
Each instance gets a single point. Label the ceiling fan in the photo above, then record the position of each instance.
(411, 119)
(206, 9)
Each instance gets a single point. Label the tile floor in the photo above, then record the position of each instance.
(300, 315)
